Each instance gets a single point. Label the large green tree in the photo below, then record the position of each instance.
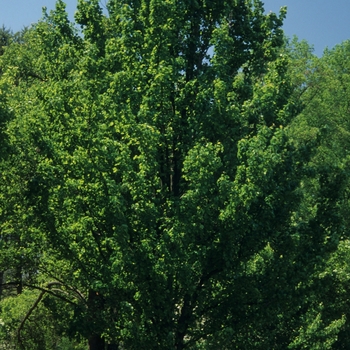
(157, 188)
(325, 90)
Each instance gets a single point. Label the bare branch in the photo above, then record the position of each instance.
(29, 312)
(80, 295)
(47, 290)
(42, 289)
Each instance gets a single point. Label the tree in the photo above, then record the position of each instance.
(326, 112)
(160, 183)
(5, 38)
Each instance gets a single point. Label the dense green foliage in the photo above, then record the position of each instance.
(325, 95)
(166, 185)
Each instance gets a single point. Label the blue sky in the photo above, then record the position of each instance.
(323, 23)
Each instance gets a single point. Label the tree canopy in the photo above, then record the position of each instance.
(163, 185)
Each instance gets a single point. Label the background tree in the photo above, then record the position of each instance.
(26, 321)
(5, 38)
(326, 112)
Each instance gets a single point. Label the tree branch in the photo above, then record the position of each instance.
(79, 294)
(34, 306)
(29, 312)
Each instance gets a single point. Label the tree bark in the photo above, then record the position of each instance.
(1, 282)
(112, 347)
(96, 342)
(19, 280)
(95, 305)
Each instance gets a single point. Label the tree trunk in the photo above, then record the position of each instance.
(96, 342)
(95, 305)
(1, 282)
(112, 347)
(19, 280)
